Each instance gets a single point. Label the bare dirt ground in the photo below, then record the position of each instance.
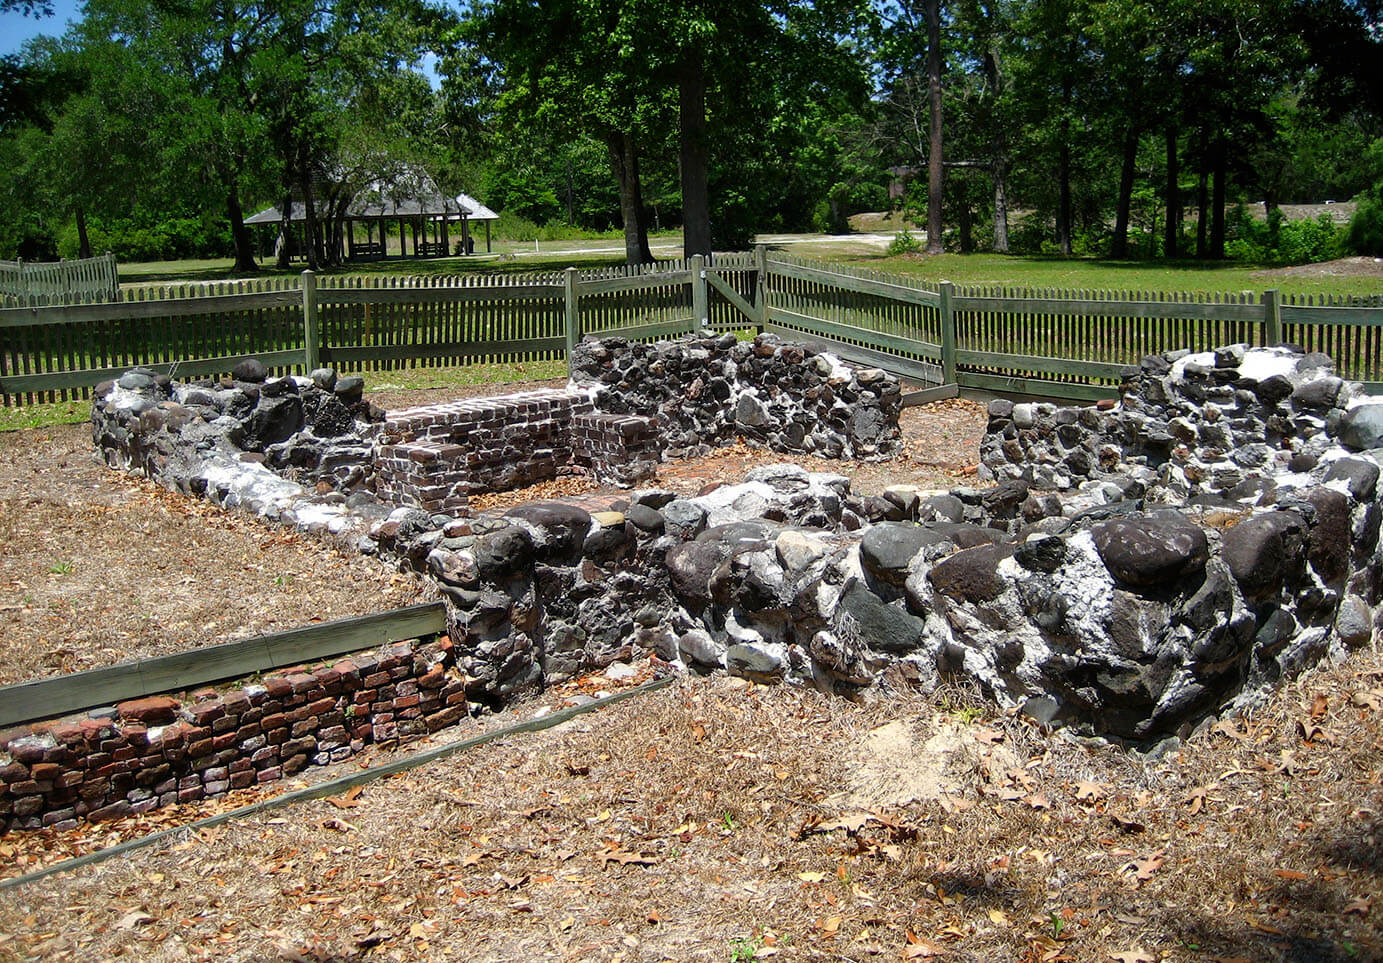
(1345, 267)
(716, 820)
(712, 820)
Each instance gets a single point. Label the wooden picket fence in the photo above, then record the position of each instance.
(93, 279)
(1053, 343)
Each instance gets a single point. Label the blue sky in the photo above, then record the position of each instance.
(15, 29)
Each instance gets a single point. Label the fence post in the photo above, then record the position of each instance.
(573, 314)
(312, 342)
(761, 285)
(701, 316)
(948, 334)
(1272, 318)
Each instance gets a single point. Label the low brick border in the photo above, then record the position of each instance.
(160, 750)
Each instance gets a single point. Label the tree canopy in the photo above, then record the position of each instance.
(1069, 126)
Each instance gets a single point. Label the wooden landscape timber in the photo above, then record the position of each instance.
(1061, 344)
(44, 698)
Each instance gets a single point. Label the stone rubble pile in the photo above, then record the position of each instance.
(708, 391)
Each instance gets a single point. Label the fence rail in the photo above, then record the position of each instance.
(60, 282)
(1057, 343)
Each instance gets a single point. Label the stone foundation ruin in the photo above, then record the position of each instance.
(1135, 569)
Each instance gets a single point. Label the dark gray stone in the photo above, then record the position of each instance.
(271, 421)
(1359, 476)
(1044, 553)
(971, 575)
(561, 530)
(1329, 541)
(251, 371)
(683, 518)
(690, 566)
(502, 553)
(877, 624)
(1361, 427)
(1151, 550)
(1318, 394)
(350, 389)
(889, 547)
(1263, 550)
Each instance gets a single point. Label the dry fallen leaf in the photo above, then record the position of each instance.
(626, 858)
(1135, 955)
(919, 949)
(348, 799)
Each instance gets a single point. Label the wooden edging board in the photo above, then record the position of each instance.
(339, 785)
(45, 698)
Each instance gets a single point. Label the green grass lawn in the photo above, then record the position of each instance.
(1107, 275)
(508, 257)
(514, 257)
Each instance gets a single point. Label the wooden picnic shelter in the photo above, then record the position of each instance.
(429, 218)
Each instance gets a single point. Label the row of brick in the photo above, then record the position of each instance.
(159, 750)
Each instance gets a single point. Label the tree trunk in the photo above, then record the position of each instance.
(1202, 200)
(1063, 173)
(1171, 234)
(285, 251)
(1119, 248)
(935, 170)
(967, 243)
(83, 241)
(1217, 202)
(696, 204)
(624, 161)
(1001, 203)
(240, 235)
(1063, 189)
(310, 226)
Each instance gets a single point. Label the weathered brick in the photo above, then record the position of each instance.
(47, 771)
(205, 713)
(116, 810)
(149, 709)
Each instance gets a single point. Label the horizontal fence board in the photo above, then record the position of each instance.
(897, 292)
(909, 368)
(635, 282)
(1023, 362)
(1005, 384)
(45, 698)
(1354, 317)
(438, 295)
(832, 329)
(926, 396)
(197, 367)
(1079, 308)
(158, 308)
(637, 331)
(468, 349)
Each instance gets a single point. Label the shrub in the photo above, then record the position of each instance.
(1280, 241)
(903, 243)
(1365, 234)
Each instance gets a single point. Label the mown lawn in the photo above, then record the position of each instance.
(1102, 274)
(1035, 271)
